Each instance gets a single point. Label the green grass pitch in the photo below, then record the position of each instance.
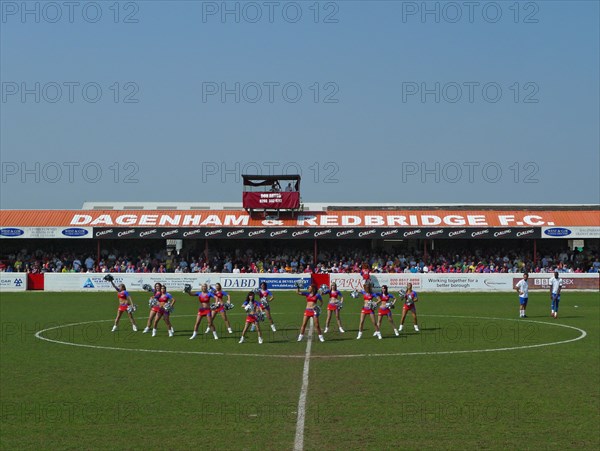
(442, 388)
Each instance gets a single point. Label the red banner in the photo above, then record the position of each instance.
(275, 200)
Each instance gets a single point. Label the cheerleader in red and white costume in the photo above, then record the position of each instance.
(368, 309)
(204, 297)
(335, 304)
(386, 300)
(253, 309)
(165, 303)
(266, 295)
(410, 297)
(219, 295)
(312, 297)
(125, 305)
(154, 308)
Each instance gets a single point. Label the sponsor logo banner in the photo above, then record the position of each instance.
(46, 232)
(13, 281)
(571, 232)
(346, 282)
(313, 233)
(175, 282)
(542, 282)
(463, 282)
(133, 281)
(285, 283)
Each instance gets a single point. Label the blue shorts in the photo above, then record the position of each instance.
(555, 297)
(523, 301)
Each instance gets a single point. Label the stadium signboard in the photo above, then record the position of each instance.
(403, 233)
(590, 232)
(481, 282)
(13, 281)
(46, 232)
(570, 281)
(397, 218)
(174, 281)
(432, 282)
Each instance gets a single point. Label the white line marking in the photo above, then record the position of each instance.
(583, 334)
(299, 440)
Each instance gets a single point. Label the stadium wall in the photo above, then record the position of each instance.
(469, 282)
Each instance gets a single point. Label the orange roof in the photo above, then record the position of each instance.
(227, 218)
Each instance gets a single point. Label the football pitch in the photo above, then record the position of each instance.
(475, 376)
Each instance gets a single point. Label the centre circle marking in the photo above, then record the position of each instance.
(582, 335)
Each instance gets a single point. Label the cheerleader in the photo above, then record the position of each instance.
(204, 298)
(409, 297)
(219, 294)
(387, 300)
(367, 309)
(166, 302)
(154, 308)
(266, 295)
(335, 304)
(125, 305)
(253, 309)
(312, 311)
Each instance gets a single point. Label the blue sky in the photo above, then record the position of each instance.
(373, 101)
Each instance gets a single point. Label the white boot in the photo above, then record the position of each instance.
(146, 330)
(241, 340)
(359, 335)
(260, 341)
(229, 330)
(416, 328)
(342, 330)
(321, 339)
(326, 330)
(114, 328)
(400, 328)
(379, 335)
(134, 327)
(215, 335)
(154, 332)
(171, 333)
(207, 330)
(396, 332)
(300, 337)
(273, 328)
(193, 335)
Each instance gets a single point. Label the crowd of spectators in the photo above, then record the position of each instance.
(284, 260)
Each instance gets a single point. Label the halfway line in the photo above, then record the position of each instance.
(299, 441)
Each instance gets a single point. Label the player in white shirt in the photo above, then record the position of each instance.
(556, 286)
(522, 287)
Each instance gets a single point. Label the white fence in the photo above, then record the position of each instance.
(466, 282)
(10, 282)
